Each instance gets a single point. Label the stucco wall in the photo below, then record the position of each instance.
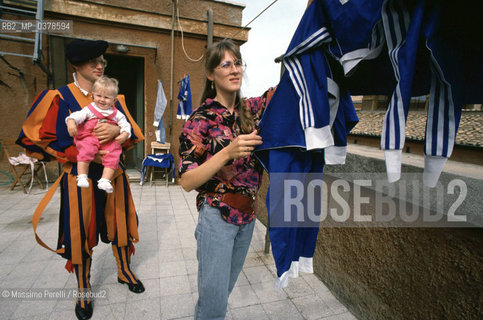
(403, 273)
(226, 13)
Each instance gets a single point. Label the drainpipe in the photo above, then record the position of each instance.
(210, 27)
(171, 84)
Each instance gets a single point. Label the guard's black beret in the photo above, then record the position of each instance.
(78, 51)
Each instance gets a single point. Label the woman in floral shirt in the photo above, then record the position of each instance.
(216, 159)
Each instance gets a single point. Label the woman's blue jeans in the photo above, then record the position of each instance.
(221, 251)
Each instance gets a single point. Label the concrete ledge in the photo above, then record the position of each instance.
(411, 160)
(364, 162)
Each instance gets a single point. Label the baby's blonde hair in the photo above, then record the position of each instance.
(108, 84)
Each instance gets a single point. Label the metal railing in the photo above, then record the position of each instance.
(29, 9)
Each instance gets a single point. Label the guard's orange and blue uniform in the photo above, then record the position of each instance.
(85, 213)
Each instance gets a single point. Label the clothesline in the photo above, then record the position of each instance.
(182, 37)
(243, 28)
(256, 17)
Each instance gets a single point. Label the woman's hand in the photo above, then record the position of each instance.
(106, 132)
(243, 145)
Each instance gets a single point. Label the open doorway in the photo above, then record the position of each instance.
(129, 71)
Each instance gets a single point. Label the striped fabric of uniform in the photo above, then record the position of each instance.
(315, 120)
(418, 30)
(319, 114)
(356, 31)
(396, 24)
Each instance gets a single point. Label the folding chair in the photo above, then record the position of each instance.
(23, 163)
(163, 161)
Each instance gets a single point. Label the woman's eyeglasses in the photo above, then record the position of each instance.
(95, 61)
(228, 65)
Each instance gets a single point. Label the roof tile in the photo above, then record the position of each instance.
(470, 130)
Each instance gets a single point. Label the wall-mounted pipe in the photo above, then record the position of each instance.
(171, 82)
(210, 27)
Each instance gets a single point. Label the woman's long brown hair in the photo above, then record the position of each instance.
(214, 55)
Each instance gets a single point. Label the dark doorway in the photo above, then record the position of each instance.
(129, 71)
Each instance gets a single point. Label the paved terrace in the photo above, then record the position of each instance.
(165, 260)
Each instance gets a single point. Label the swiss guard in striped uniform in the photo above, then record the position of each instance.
(85, 213)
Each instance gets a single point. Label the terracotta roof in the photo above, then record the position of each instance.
(470, 130)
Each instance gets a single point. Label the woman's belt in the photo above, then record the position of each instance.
(237, 201)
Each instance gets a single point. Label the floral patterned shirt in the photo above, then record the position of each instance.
(210, 128)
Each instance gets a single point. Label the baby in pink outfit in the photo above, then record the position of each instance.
(81, 123)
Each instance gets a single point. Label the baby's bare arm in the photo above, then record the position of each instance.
(71, 127)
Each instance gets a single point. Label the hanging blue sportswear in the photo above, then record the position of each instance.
(185, 106)
(392, 47)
